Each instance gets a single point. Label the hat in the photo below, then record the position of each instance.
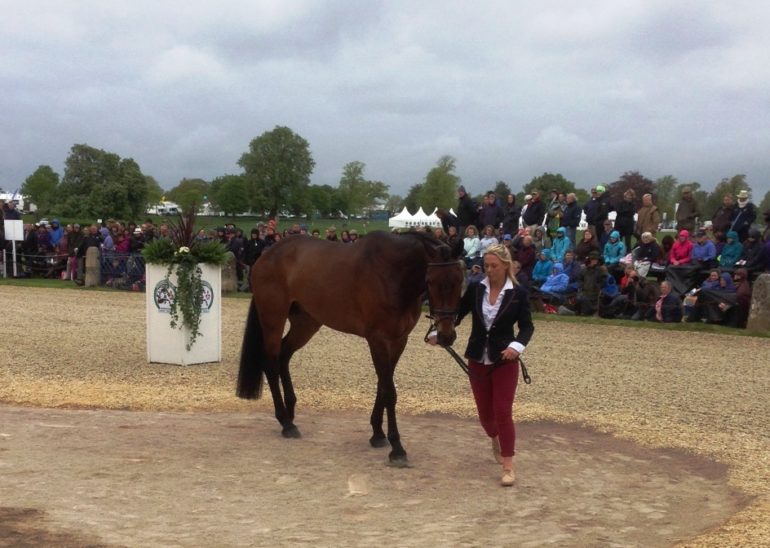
(615, 234)
(600, 188)
(700, 233)
(561, 230)
(743, 195)
(76, 225)
(137, 230)
(507, 237)
(461, 188)
(594, 255)
(528, 197)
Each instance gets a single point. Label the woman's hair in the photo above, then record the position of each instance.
(489, 227)
(469, 229)
(502, 253)
(630, 193)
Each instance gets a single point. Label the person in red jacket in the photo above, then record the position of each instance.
(681, 251)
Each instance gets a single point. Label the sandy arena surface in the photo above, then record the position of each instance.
(685, 408)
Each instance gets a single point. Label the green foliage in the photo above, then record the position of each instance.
(188, 192)
(182, 252)
(394, 204)
(229, 194)
(665, 195)
(323, 199)
(547, 182)
(731, 186)
(278, 167)
(356, 193)
(440, 186)
(502, 190)
(41, 188)
(764, 205)
(412, 199)
(154, 191)
(97, 183)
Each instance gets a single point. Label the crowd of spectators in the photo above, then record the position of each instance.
(624, 268)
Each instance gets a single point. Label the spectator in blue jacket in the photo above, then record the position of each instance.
(614, 249)
(542, 267)
(731, 251)
(557, 283)
(704, 252)
(560, 245)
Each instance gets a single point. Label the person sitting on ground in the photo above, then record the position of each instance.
(709, 297)
(668, 307)
(754, 257)
(475, 274)
(556, 286)
(738, 315)
(471, 246)
(540, 238)
(666, 244)
(614, 252)
(704, 253)
(586, 246)
(591, 280)
(732, 250)
(646, 254)
(487, 239)
(527, 256)
(542, 268)
(572, 269)
(681, 251)
(560, 245)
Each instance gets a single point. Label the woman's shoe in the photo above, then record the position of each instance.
(508, 478)
(496, 450)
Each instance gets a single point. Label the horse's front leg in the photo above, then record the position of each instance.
(385, 354)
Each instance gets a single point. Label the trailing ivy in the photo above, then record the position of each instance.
(183, 253)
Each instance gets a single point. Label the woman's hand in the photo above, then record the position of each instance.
(510, 354)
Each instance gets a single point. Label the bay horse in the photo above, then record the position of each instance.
(373, 288)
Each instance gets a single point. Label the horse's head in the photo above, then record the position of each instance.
(444, 278)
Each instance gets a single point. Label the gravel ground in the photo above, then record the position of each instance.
(704, 393)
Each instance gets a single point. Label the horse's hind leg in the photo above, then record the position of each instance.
(302, 329)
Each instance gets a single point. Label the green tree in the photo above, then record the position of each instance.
(412, 199)
(278, 167)
(547, 182)
(764, 205)
(440, 186)
(356, 192)
(40, 188)
(502, 190)
(394, 204)
(188, 193)
(731, 186)
(97, 183)
(630, 180)
(154, 191)
(229, 194)
(323, 200)
(665, 195)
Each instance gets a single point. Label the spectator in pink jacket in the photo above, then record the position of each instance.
(681, 251)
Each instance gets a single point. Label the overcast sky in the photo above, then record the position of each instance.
(511, 89)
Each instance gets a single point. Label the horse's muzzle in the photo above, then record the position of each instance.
(446, 339)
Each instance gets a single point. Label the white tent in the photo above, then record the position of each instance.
(402, 220)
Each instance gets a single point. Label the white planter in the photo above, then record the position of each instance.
(168, 345)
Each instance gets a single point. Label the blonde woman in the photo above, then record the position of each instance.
(496, 303)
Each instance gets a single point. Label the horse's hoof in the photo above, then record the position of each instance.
(398, 461)
(378, 441)
(291, 432)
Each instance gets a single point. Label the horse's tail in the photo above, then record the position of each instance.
(252, 358)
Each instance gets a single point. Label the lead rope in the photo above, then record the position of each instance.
(464, 366)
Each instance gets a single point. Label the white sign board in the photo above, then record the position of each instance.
(14, 230)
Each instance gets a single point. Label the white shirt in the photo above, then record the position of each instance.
(489, 313)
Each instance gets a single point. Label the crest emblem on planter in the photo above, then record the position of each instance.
(163, 295)
(207, 297)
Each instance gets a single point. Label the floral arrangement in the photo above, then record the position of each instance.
(183, 252)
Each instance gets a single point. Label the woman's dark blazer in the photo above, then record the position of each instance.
(514, 308)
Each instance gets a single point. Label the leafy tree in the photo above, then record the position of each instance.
(764, 205)
(229, 194)
(502, 190)
(412, 199)
(633, 180)
(665, 195)
(394, 204)
(731, 186)
(188, 193)
(97, 183)
(356, 192)
(547, 182)
(440, 186)
(322, 199)
(154, 191)
(40, 188)
(278, 165)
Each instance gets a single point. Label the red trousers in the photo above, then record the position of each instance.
(494, 395)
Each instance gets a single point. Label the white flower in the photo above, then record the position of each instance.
(184, 249)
